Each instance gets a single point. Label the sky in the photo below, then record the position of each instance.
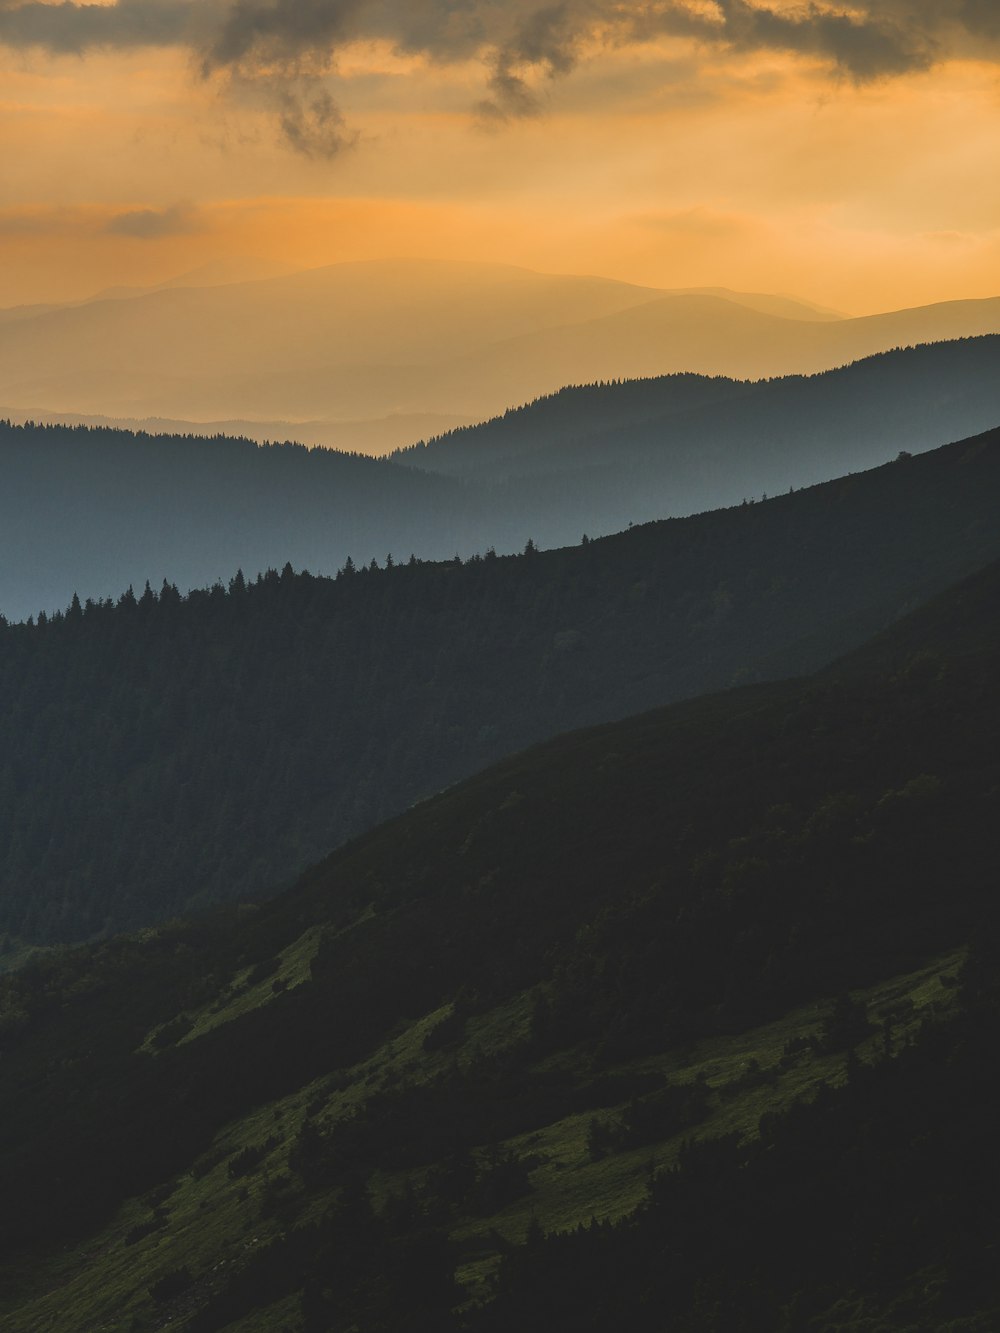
(844, 153)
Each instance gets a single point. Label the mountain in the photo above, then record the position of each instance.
(95, 511)
(376, 437)
(345, 341)
(689, 441)
(162, 753)
(221, 271)
(364, 340)
(711, 336)
(690, 1013)
(787, 307)
(215, 273)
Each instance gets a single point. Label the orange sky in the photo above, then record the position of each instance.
(845, 155)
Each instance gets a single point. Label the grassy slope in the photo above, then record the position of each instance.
(212, 1222)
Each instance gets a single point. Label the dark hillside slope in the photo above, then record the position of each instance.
(516, 993)
(164, 753)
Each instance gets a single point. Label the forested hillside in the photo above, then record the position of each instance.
(701, 977)
(163, 752)
(710, 441)
(92, 511)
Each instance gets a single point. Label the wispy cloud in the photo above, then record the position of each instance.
(32, 222)
(150, 224)
(701, 222)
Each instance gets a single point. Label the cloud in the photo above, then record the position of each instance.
(278, 54)
(288, 48)
(141, 223)
(545, 40)
(284, 33)
(701, 222)
(311, 122)
(68, 28)
(950, 238)
(150, 224)
(42, 221)
(863, 46)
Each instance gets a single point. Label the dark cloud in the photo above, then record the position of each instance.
(287, 46)
(283, 33)
(73, 28)
(149, 224)
(866, 38)
(312, 123)
(865, 47)
(545, 40)
(547, 37)
(981, 18)
(278, 53)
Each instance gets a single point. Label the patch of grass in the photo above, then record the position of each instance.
(245, 992)
(14, 952)
(569, 1189)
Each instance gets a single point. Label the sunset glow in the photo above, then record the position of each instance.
(666, 145)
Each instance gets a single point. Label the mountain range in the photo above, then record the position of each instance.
(93, 511)
(370, 342)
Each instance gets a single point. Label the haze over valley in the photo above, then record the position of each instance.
(362, 353)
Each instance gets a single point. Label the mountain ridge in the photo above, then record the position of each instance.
(458, 452)
(95, 511)
(344, 341)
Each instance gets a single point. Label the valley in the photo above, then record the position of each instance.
(499, 658)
